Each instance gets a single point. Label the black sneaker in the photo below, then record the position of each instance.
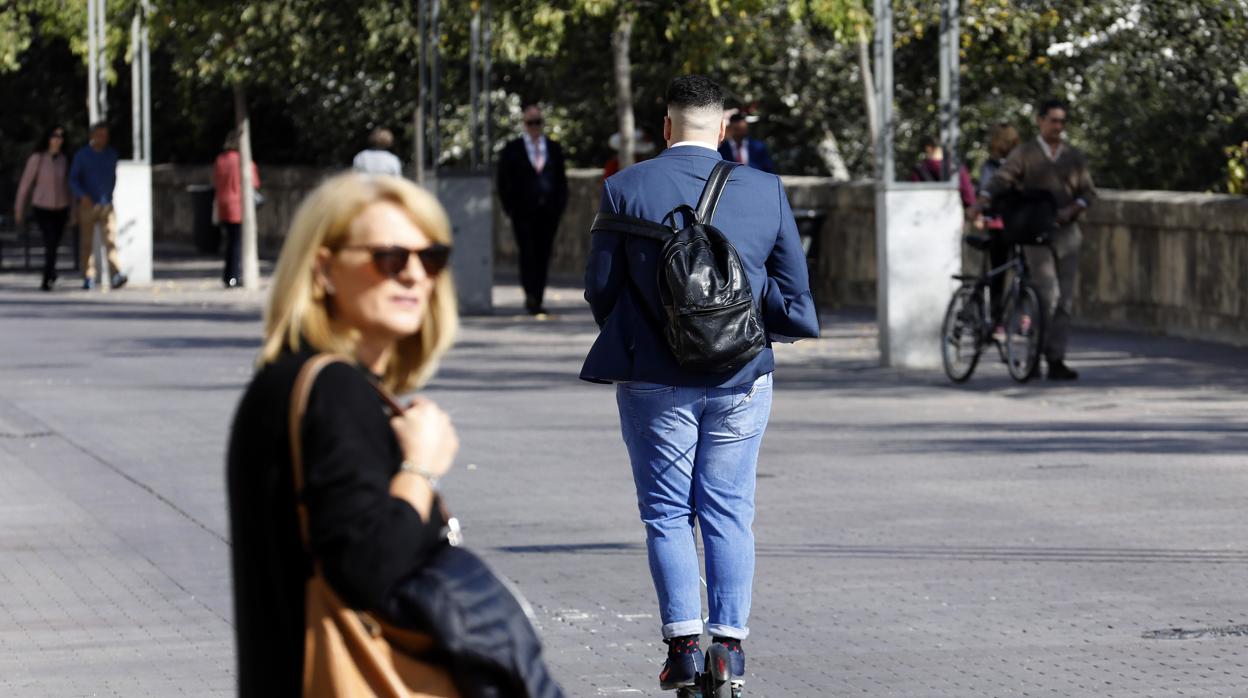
(736, 658)
(684, 661)
(88, 283)
(119, 280)
(1059, 371)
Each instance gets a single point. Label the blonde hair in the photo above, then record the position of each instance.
(298, 309)
(1001, 140)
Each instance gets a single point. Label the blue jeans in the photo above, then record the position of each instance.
(694, 453)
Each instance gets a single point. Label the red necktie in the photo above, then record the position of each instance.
(741, 152)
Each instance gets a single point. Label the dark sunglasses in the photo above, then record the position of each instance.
(532, 122)
(390, 261)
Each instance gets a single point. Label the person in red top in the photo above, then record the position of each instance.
(227, 177)
(929, 169)
(643, 149)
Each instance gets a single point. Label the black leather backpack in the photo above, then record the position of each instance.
(712, 323)
(1029, 215)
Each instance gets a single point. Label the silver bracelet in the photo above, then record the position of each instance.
(409, 467)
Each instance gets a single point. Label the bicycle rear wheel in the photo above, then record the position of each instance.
(1024, 331)
(961, 334)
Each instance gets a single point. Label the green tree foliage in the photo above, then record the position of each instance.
(1153, 85)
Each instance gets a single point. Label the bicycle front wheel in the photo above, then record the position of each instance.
(961, 334)
(1024, 331)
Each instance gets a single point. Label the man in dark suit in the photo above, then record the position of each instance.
(533, 187)
(739, 147)
(693, 437)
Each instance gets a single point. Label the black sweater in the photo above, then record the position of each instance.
(365, 539)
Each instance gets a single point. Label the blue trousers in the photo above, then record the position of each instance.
(694, 453)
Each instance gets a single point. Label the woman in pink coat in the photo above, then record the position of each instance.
(45, 182)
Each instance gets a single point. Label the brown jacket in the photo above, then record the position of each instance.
(1028, 167)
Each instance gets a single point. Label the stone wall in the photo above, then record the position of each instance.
(283, 188)
(1167, 262)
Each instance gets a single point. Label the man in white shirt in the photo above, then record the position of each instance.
(533, 188)
(377, 158)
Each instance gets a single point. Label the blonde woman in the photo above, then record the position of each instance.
(362, 274)
(1002, 138)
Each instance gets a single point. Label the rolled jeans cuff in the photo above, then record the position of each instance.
(717, 630)
(682, 628)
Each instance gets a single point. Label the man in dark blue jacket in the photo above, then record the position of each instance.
(92, 178)
(693, 438)
(739, 147)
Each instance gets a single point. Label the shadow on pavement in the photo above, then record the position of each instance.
(926, 552)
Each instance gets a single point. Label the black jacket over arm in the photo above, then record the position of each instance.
(522, 191)
(365, 539)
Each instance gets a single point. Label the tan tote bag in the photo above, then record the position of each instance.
(349, 652)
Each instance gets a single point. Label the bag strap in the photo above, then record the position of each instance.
(606, 222)
(689, 216)
(298, 407)
(709, 200)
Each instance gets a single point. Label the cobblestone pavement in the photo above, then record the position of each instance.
(914, 538)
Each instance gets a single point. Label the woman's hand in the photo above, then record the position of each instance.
(427, 437)
(428, 440)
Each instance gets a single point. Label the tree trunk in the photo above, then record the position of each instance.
(620, 40)
(868, 86)
(251, 259)
(830, 153)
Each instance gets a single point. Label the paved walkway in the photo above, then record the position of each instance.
(914, 538)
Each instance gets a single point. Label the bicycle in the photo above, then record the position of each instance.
(969, 324)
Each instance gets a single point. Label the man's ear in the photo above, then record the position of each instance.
(723, 131)
(667, 130)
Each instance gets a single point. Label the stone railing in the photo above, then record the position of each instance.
(1167, 262)
(283, 189)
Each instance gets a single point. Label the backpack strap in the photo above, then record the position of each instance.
(714, 188)
(630, 225)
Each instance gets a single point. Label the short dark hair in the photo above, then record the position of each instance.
(694, 92)
(97, 126)
(1049, 105)
(529, 105)
(381, 139)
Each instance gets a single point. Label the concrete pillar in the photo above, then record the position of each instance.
(469, 203)
(132, 203)
(918, 250)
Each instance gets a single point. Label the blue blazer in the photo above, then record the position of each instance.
(760, 159)
(621, 277)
